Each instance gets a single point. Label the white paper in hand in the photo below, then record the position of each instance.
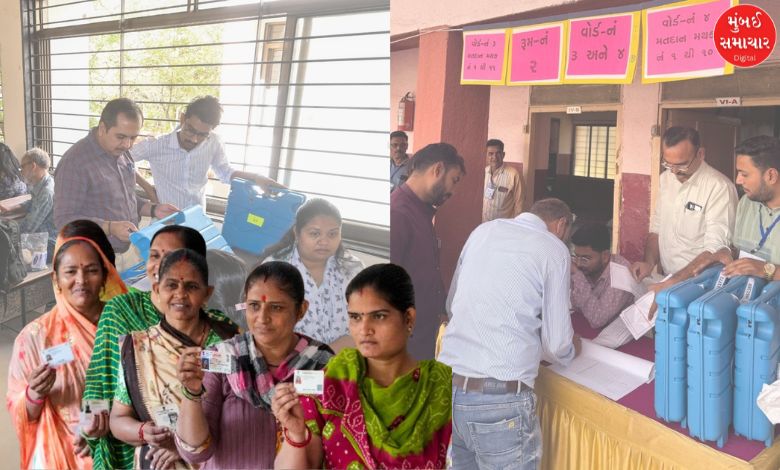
(58, 355)
(635, 315)
(613, 335)
(620, 277)
(309, 382)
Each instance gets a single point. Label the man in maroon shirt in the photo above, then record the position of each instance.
(437, 168)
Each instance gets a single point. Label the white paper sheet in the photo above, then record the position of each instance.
(748, 255)
(611, 373)
(635, 316)
(620, 277)
(614, 335)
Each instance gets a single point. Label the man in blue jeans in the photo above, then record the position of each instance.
(509, 309)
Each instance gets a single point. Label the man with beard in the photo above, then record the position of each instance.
(400, 163)
(756, 241)
(437, 168)
(503, 192)
(591, 286)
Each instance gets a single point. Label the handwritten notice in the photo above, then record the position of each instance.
(679, 41)
(536, 54)
(484, 57)
(603, 49)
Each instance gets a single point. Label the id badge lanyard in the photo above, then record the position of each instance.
(490, 190)
(764, 232)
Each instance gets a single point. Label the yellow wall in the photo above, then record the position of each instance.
(12, 75)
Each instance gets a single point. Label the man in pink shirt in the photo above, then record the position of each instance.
(591, 287)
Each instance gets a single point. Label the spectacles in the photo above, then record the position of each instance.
(195, 133)
(580, 258)
(680, 168)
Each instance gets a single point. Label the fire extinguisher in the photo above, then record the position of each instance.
(406, 112)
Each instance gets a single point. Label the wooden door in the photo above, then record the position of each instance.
(718, 136)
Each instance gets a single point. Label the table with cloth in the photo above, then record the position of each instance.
(584, 430)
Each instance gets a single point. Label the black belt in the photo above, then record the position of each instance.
(488, 385)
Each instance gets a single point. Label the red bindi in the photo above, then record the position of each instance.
(263, 298)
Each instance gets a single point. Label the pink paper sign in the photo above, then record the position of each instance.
(600, 46)
(536, 54)
(484, 54)
(680, 40)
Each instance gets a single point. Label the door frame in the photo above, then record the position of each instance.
(529, 165)
(655, 172)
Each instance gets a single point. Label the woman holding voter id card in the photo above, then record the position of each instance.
(51, 354)
(380, 407)
(226, 420)
(134, 311)
(147, 397)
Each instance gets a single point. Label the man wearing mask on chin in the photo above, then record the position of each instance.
(436, 169)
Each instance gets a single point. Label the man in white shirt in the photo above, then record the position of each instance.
(502, 196)
(694, 210)
(180, 161)
(509, 308)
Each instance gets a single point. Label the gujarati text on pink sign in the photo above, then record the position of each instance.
(681, 39)
(483, 56)
(599, 46)
(536, 54)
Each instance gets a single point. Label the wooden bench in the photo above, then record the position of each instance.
(33, 292)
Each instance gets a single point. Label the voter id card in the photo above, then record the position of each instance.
(215, 361)
(166, 416)
(309, 382)
(90, 408)
(57, 355)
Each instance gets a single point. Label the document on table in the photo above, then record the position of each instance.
(620, 278)
(611, 373)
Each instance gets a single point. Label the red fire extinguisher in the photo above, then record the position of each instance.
(406, 112)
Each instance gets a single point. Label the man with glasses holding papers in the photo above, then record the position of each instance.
(180, 161)
(694, 210)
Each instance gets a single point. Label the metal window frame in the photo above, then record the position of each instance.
(573, 163)
(36, 60)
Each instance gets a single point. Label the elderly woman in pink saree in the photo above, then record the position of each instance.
(44, 401)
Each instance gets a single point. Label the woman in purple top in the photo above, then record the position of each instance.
(226, 420)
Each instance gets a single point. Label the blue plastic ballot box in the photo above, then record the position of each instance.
(193, 217)
(712, 324)
(254, 219)
(757, 353)
(671, 325)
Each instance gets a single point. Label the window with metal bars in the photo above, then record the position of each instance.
(304, 85)
(594, 151)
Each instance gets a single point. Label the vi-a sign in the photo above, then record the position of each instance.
(573, 110)
(725, 101)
